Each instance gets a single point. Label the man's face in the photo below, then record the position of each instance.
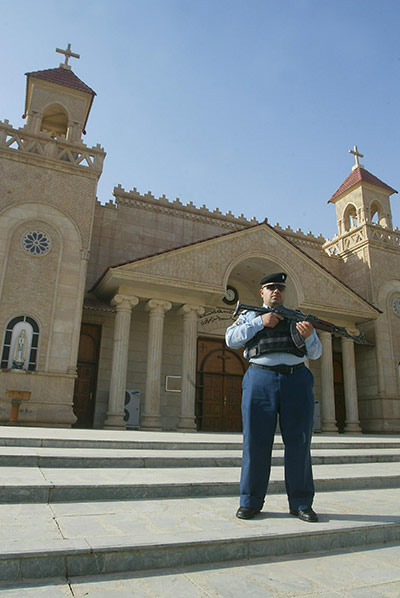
(273, 293)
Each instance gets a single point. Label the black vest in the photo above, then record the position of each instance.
(284, 338)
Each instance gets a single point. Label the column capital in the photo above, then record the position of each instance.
(191, 310)
(127, 302)
(85, 254)
(158, 306)
(324, 335)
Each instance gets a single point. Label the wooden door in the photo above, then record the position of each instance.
(219, 377)
(85, 385)
(340, 406)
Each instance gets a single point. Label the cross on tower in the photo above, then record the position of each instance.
(68, 54)
(356, 155)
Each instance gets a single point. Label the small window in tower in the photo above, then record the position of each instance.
(55, 120)
(376, 213)
(350, 217)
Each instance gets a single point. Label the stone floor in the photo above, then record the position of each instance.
(373, 572)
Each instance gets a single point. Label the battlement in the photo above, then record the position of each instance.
(300, 238)
(359, 235)
(42, 144)
(147, 201)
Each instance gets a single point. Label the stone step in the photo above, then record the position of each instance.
(317, 443)
(152, 458)
(51, 485)
(365, 572)
(88, 538)
(139, 440)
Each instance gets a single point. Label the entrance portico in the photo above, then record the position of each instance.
(179, 295)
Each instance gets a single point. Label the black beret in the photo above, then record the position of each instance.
(277, 277)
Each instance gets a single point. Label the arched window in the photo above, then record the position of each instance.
(55, 120)
(376, 213)
(20, 347)
(350, 217)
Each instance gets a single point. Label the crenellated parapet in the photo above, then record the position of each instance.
(358, 236)
(60, 150)
(300, 238)
(163, 205)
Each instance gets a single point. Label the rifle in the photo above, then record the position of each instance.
(298, 316)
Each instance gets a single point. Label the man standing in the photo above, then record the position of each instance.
(276, 381)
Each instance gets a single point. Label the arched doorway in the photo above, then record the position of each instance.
(219, 386)
(85, 385)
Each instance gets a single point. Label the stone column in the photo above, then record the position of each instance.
(352, 424)
(189, 350)
(116, 402)
(85, 253)
(328, 419)
(151, 412)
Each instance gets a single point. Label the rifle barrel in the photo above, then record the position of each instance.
(297, 316)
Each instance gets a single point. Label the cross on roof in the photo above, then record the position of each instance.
(68, 54)
(356, 155)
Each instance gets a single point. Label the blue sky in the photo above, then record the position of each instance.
(249, 106)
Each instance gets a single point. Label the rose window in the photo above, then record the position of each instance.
(36, 243)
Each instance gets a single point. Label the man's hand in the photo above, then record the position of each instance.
(270, 320)
(305, 328)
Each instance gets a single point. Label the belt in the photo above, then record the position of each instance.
(281, 369)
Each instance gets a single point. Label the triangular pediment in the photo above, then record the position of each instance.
(206, 267)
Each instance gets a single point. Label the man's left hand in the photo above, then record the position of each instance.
(305, 328)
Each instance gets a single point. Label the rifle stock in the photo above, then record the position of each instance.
(298, 316)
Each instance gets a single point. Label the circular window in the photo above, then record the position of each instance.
(396, 306)
(36, 243)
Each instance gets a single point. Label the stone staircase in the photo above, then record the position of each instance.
(87, 502)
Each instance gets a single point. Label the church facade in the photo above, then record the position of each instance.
(135, 295)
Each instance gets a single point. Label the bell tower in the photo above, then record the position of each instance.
(362, 199)
(48, 185)
(368, 248)
(57, 101)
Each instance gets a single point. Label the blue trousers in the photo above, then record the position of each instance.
(265, 395)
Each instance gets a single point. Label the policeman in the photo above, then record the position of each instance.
(276, 382)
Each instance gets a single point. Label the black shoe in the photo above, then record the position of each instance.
(305, 514)
(246, 513)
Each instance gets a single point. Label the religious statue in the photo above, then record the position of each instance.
(19, 356)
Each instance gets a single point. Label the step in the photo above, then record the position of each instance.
(97, 538)
(139, 439)
(51, 485)
(151, 458)
(373, 572)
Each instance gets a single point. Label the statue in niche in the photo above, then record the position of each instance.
(20, 349)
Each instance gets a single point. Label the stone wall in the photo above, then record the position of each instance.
(137, 225)
(51, 195)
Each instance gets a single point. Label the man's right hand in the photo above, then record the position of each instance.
(271, 319)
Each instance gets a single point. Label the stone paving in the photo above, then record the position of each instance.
(371, 573)
(193, 545)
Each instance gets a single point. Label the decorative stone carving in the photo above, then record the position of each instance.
(36, 242)
(20, 351)
(43, 145)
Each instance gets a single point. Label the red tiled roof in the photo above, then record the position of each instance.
(62, 76)
(361, 175)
